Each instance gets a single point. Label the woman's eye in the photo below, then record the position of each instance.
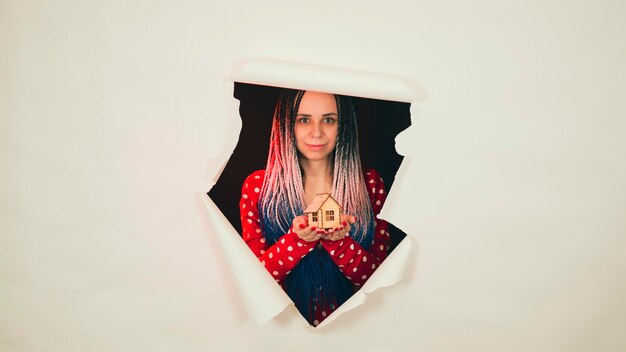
(303, 120)
(329, 120)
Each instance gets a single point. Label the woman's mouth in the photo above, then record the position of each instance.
(315, 146)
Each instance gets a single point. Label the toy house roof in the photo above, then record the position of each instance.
(318, 201)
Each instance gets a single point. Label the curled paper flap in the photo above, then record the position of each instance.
(262, 296)
(389, 273)
(277, 73)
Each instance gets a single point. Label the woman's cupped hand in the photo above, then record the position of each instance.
(311, 233)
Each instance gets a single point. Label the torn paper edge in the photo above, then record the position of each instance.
(285, 74)
(389, 273)
(263, 298)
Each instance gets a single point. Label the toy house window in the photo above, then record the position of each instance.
(330, 215)
(314, 217)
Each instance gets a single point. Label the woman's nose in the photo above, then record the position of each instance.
(317, 129)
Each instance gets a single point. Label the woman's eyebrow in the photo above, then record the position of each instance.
(325, 115)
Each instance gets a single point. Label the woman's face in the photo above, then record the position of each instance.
(316, 125)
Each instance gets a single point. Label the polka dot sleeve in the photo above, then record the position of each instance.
(279, 258)
(356, 263)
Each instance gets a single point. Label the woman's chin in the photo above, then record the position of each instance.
(315, 156)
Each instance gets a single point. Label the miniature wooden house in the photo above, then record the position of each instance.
(324, 212)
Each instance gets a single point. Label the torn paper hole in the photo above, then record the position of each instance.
(263, 298)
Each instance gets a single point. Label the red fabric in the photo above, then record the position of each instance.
(354, 261)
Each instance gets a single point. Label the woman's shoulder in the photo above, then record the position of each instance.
(372, 175)
(258, 174)
(256, 178)
(252, 185)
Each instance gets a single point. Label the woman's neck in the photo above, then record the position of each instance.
(317, 177)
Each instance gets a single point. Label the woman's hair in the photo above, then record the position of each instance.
(316, 280)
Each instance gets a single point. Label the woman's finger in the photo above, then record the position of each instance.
(321, 231)
(347, 219)
(300, 221)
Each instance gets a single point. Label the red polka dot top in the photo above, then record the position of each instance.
(279, 259)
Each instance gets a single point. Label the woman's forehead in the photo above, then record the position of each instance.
(317, 101)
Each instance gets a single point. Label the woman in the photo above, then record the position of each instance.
(314, 149)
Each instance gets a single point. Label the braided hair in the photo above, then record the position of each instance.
(315, 281)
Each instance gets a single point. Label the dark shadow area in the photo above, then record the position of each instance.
(379, 123)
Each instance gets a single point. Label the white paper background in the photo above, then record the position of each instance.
(115, 114)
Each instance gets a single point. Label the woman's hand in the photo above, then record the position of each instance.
(306, 233)
(342, 231)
